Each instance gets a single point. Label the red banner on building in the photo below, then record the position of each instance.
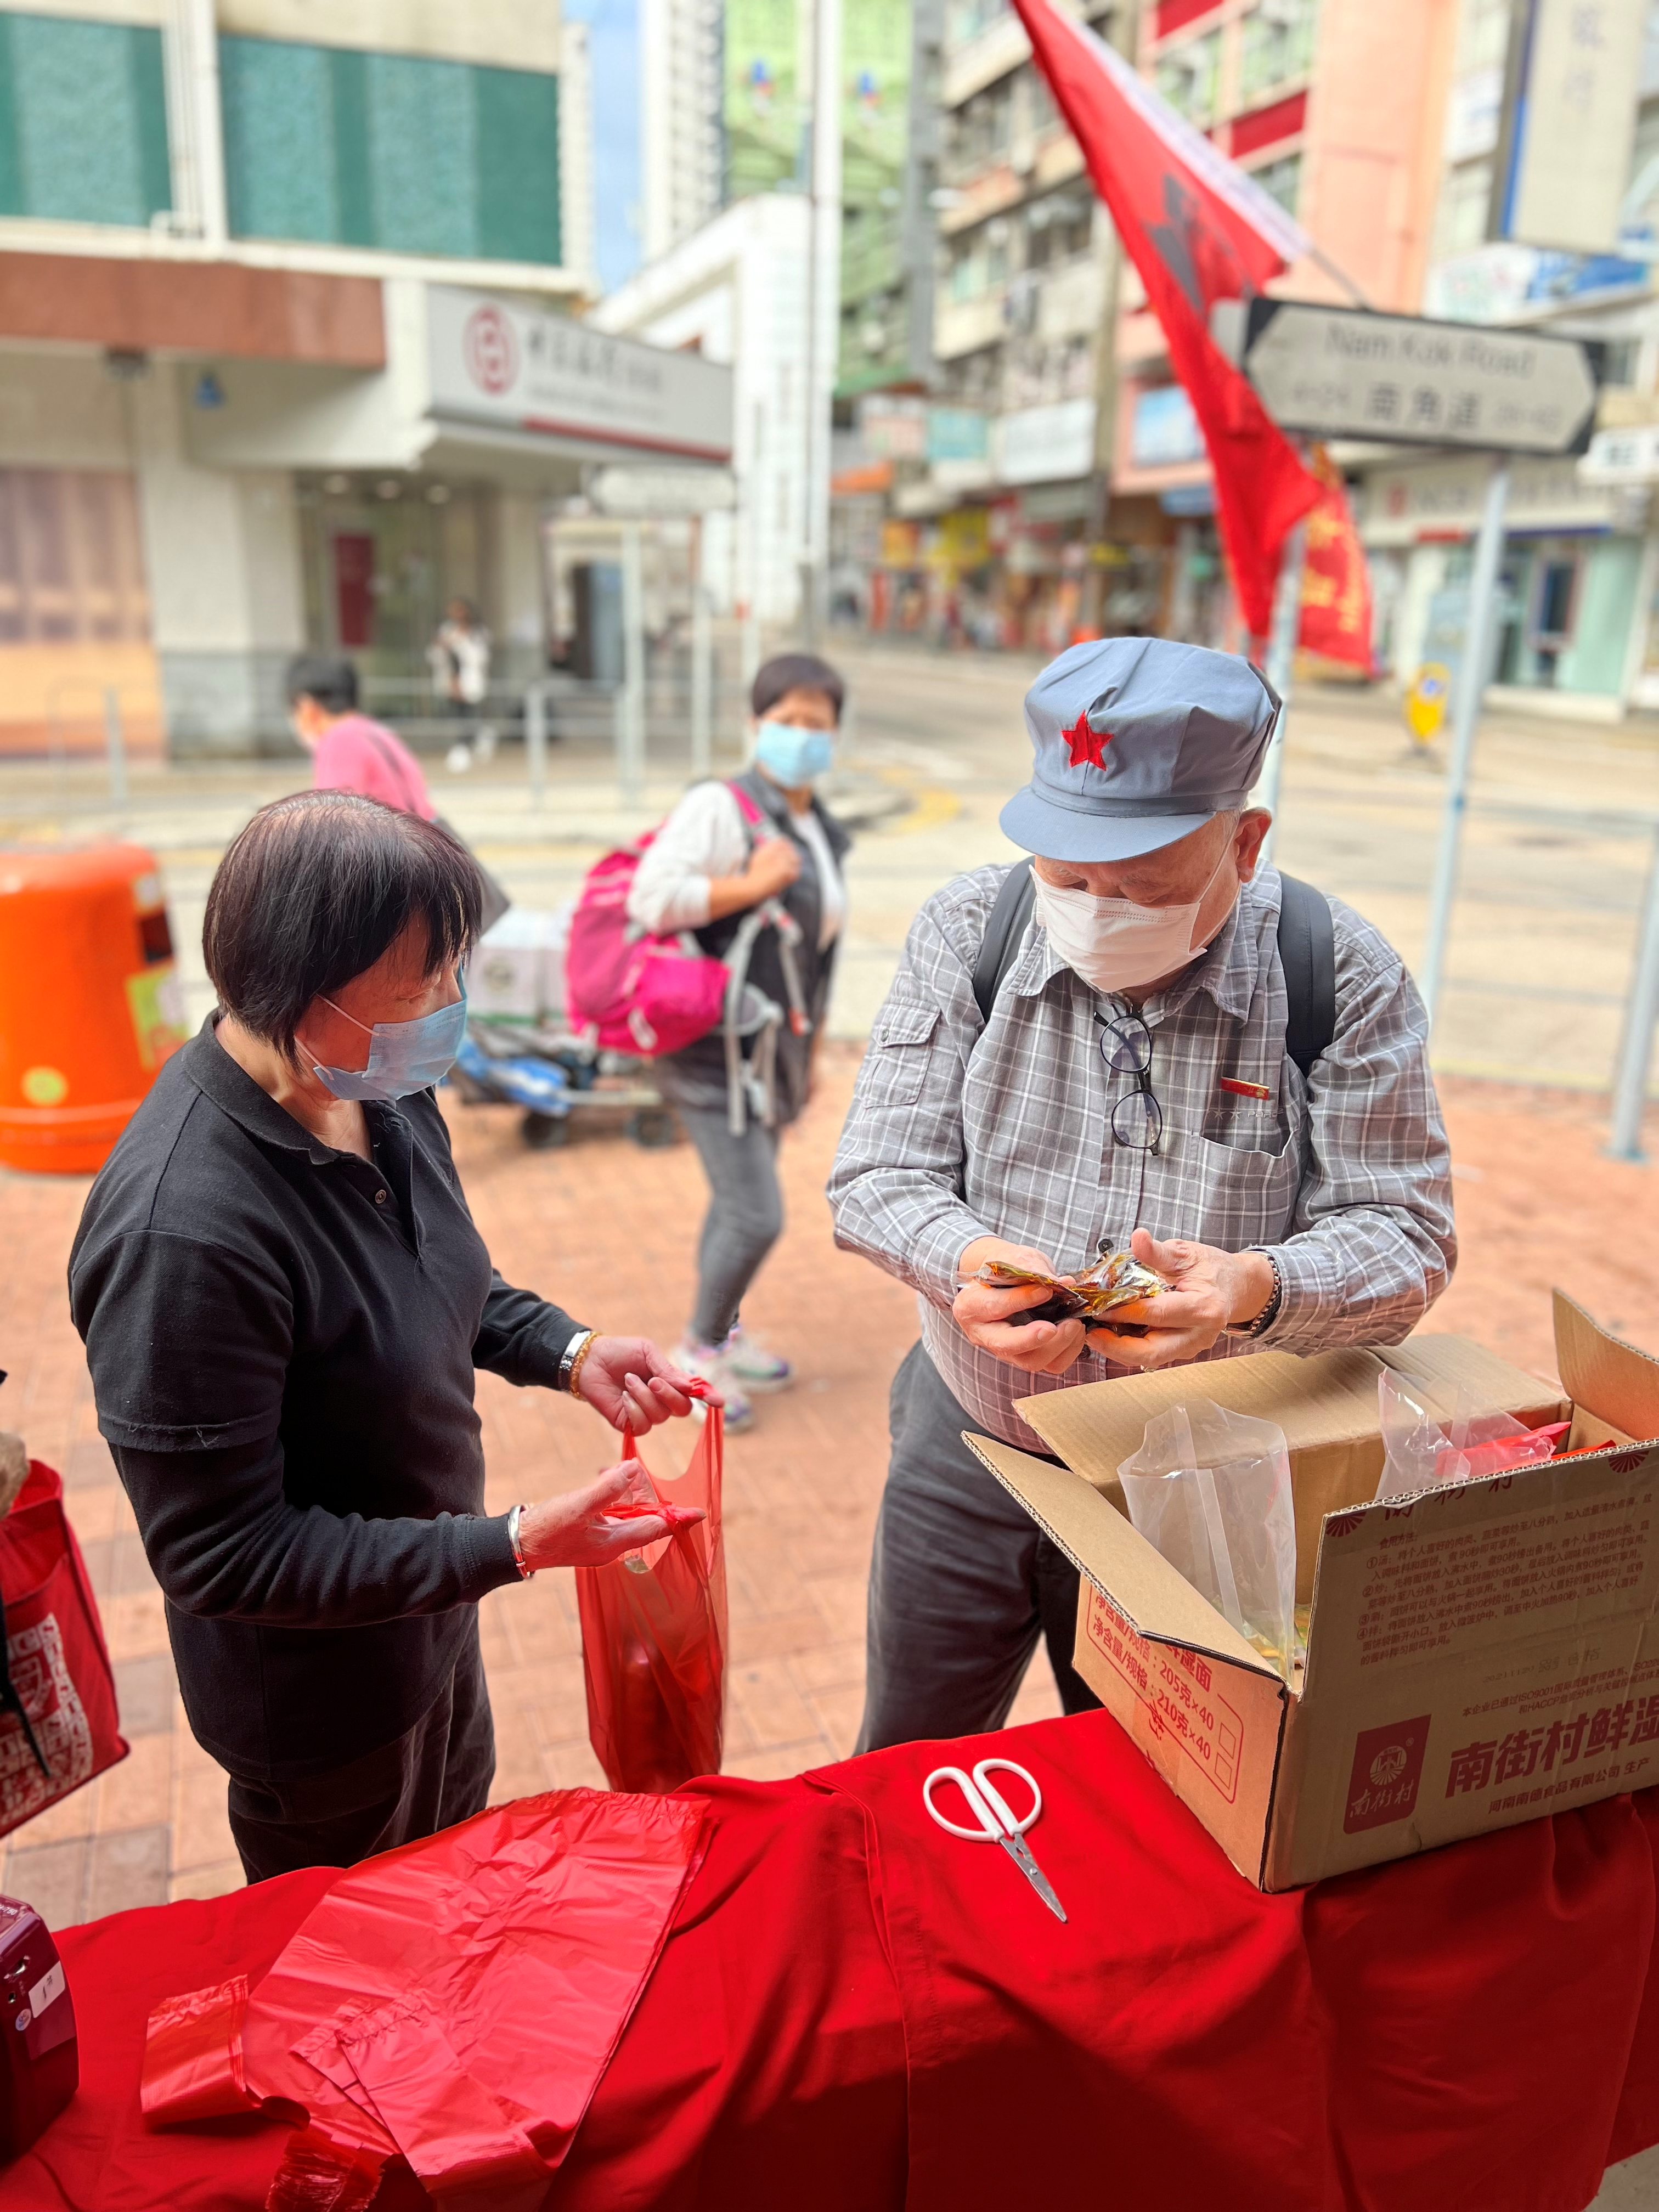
(1336, 584)
(1199, 232)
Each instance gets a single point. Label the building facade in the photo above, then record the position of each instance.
(735, 294)
(273, 279)
(682, 149)
(1578, 632)
(1057, 479)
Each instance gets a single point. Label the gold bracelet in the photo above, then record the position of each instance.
(578, 1363)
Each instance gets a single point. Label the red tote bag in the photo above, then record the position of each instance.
(654, 1638)
(59, 1723)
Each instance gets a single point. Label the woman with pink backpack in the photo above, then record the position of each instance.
(752, 870)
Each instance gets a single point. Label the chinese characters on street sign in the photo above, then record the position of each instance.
(1345, 373)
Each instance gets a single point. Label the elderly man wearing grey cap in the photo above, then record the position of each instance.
(1138, 1039)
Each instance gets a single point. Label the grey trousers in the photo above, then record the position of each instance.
(962, 1583)
(433, 1775)
(745, 1219)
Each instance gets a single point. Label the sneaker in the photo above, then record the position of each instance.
(747, 1358)
(708, 1362)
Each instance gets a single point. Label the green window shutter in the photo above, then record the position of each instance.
(86, 122)
(348, 74)
(11, 170)
(389, 150)
(422, 154)
(277, 101)
(517, 168)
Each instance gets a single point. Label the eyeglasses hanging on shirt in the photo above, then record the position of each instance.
(1126, 1045)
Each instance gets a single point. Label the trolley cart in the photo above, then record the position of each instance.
(552, 1075)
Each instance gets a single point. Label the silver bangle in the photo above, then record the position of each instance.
(526, 1573)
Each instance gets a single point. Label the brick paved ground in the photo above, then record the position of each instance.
(609, 1231)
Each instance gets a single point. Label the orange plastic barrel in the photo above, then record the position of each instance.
(90, 1005)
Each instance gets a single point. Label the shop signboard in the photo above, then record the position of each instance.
(875, 99)
(1346, 372)
(1499, 282)
(1044, 445)
(1572, 123)
(761, 109)
(642, 494)
(505, 365)
(957, 434)
(1623, 457)
(1164, 431)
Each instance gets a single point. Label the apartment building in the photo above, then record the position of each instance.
(1064, 482)
(285, 294)
(1579, 631)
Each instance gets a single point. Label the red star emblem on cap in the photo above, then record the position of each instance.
(1088, 746)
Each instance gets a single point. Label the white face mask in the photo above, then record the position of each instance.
(1115, 944)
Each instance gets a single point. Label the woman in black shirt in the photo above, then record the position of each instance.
(283, 1300)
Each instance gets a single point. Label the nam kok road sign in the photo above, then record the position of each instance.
(1345, 373)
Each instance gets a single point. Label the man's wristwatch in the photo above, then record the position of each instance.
(1269, 1313)
(526, 1573)
(571, 1364)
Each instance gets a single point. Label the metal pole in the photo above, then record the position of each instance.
(1478, 642)
(630, 765)
(822, 308)
(535, 742)
(1630, 1086)
(703, 680)
(115, 745)
(1280, 669)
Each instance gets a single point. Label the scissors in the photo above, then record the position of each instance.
(997, 1823)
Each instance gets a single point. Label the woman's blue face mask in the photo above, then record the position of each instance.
(404, 1057)
(793, 758)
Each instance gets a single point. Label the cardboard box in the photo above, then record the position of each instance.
(1477, 1655)
(517, 972)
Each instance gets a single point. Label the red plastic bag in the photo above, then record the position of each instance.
(654, 1638)
(453, 2002)
(59, 1723)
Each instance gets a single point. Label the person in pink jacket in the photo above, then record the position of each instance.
(349, 751)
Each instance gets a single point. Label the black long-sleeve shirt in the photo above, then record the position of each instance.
(282, 1340)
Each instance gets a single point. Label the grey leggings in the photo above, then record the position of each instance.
(744, 1217)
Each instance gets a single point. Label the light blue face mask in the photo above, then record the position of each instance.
(793, 758)
(404, 1057)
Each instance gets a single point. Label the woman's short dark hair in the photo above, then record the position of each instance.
(327, 677)
(795, 671)
(314, 890)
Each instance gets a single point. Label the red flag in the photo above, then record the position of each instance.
(1336, 584)
(1198, 232)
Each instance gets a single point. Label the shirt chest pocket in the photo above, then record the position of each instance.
(1222, 1195)
(896, 1066)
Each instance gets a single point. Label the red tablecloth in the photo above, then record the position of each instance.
(857, 2011)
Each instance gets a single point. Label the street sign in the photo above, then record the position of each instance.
(647, 495)
(1400, 379)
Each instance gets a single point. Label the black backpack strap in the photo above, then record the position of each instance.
(1307, 952)
(1003, 932)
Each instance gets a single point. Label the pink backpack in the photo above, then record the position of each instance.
(635, 993)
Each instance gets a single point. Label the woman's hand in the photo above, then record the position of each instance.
(572, 1531)
(772, 867)
(1040, 1347)
(627, 1380)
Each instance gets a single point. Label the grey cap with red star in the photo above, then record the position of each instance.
(1138, 741)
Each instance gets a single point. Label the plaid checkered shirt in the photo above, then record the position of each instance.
(959, 1131)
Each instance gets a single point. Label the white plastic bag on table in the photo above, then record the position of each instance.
(1424, 1449)
(1211, 1490)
